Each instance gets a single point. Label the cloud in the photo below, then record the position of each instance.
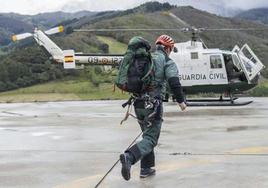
(103, 5)
(31, 6)
(35, 6)
(246, 4)
(210, 5)
(234, 4)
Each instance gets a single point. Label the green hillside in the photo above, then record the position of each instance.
(261, 90)
(63, 90)
(28, 64)
(258, 40)
(115, 47)
(9, 26)
(12, 23)
(257, 15)
(87, 84)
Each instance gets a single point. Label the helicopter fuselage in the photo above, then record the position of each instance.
(201, 70)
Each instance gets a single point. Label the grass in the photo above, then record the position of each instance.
(261, 90)
(63, 90)
(71, 89)
(77, 90)
(115, 47)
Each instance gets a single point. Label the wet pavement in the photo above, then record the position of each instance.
(73, 144)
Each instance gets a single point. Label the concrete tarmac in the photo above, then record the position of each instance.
(73, 144)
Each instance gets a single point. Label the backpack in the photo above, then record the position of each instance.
(136, 70)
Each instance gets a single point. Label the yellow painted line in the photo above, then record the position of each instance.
(162, 168)
(81, 183)
(252, 150)
(171, 166)
(90, 181)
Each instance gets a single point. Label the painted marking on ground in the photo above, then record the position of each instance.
(253, 150)
(82, 183)
(37, 134)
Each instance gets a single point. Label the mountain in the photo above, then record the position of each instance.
(225, 11)
(258, 40)
(12, 23)
(24, 61)
(9, 25)
(47, 20)
(258, 15)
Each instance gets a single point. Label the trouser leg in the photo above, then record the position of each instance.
(150, 138)
(148, 160)
(144, 149)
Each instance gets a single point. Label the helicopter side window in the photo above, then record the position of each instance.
(194, 55)
(215, 62)
(236, 62)
(247, 53)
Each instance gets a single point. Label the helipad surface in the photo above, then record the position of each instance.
(73, 144)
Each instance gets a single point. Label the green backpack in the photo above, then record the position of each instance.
(136, 71)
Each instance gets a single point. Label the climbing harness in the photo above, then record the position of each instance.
(129, 109)
(149, 103)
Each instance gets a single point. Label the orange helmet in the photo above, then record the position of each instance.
(165, 40)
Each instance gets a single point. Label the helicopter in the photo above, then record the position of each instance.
(202, 70)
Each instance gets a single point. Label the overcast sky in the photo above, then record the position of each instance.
(38, 6)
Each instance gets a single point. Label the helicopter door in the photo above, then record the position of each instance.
(250, 63)
(217, 73)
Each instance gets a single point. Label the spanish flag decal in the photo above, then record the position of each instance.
(69, 59)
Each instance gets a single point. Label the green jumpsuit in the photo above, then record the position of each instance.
(165, 68)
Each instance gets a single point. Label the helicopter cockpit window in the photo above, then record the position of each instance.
(194, 55)
(215, 62)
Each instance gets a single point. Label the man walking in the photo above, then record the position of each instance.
(149, 110)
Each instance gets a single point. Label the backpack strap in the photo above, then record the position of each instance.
(150, 69)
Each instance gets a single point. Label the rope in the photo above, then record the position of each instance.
(110, 170)
(129, 109)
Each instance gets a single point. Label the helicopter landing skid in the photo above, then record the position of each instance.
(214, 102)
(211, 100)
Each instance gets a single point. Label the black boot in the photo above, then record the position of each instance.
(146, 172)
(126, 161)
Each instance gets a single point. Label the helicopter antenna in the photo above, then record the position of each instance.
(205, 46)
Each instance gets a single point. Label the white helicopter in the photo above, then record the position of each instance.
(202, 70)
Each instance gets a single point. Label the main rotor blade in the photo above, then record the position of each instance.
(55, 30)
(185, 29)
(232, 29)
(21, 36)
(114, 30)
